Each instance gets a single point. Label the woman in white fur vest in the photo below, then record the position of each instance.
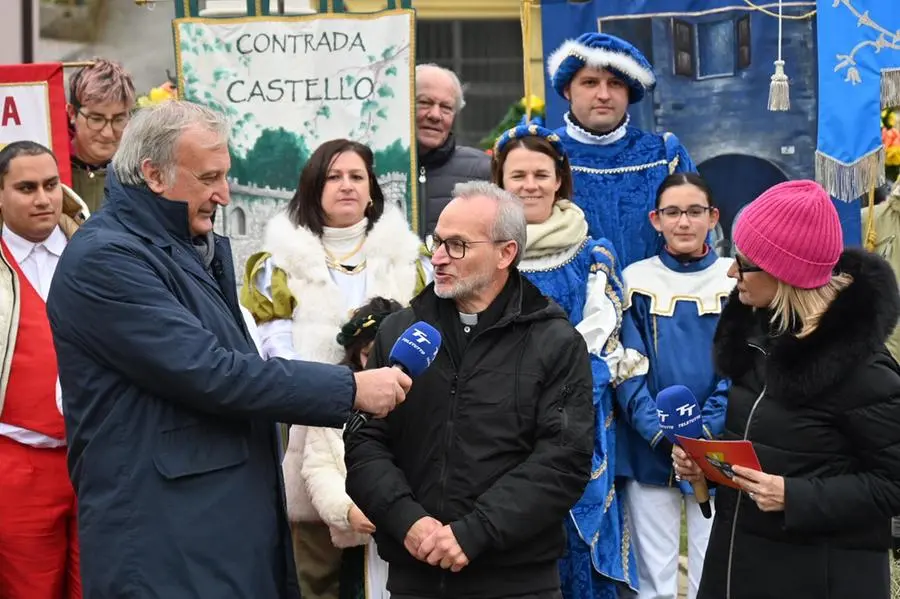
(336, 246)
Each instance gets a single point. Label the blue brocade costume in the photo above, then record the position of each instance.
(616, 177)
(672, 310)
(588, 286)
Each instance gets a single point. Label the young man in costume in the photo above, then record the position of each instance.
(38, 533)
(616, 168)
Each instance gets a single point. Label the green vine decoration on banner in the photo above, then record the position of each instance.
(196, 40)
(886, 39)
(371, 111)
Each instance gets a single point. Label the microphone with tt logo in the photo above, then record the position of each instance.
(412, 353)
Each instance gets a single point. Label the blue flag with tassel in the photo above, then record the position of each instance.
(859, 74)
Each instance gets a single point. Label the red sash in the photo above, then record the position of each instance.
(31, 391)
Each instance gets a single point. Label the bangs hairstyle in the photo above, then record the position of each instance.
(798, 311)
(678, 179)
(305, 208)
(541, 145)
(20, 148)
(103, 81)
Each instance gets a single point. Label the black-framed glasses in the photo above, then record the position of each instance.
(674, 212)
(456, 248)
(744, 267)
(96, 122)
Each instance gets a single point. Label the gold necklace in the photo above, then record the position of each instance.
(354, 270)
(340, 259)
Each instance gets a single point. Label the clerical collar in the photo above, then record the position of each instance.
(469, 321)
(580, 133)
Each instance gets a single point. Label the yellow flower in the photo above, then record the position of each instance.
(892, 156)
(536, 103)
(158, 94)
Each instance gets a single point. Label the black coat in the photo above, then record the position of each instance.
(498, 445)
(439, 172)
(170, 412)
(824, 413)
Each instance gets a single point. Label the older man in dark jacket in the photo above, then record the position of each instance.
(469, 483)
(442, 163)
(170, 412)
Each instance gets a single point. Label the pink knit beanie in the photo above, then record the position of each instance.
(792, 231)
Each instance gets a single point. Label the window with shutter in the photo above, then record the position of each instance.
(683, 43)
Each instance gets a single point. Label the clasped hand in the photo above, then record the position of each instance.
(434, 543)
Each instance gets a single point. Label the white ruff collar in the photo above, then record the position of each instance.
(586, 137)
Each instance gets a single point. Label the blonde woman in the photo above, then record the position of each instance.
(818, 395)
(337, 245)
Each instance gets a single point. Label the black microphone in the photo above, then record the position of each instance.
(412, 353)
(679, 414)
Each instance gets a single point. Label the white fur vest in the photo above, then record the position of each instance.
(391, 252)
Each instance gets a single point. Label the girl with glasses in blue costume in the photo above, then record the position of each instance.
(582, 276)
(673, 303)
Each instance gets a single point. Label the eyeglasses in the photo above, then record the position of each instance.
(96, 122)
(674, 212)
(456, 248)
(744, 267)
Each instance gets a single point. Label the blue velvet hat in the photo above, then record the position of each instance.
(531, 130)
(601, 51)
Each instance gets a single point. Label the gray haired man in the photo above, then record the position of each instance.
(170, 412)
(468, 484)
(442, 163)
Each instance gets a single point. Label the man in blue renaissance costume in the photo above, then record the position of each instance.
(616, 168)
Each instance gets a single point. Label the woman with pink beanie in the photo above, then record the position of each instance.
(816, 392)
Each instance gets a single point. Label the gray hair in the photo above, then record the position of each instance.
(153, 133)
(510, 223)
(460, 99)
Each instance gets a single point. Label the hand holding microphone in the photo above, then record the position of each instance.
(381, 390)
(679, 414)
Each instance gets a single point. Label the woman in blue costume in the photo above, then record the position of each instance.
(582, 276)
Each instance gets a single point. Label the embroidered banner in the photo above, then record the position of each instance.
(287, 84)
(859, 73)
(33, 107)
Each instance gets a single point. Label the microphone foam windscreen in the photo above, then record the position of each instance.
(416, 348)
(679, 413)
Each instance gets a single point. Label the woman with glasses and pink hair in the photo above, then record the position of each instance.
(816, 392)
(101, 99)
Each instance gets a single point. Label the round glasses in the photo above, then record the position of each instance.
(96, 122)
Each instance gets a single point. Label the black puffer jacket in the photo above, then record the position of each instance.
(439, 172)
(824, 413)
(498, 445)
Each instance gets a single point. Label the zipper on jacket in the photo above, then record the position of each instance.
(737, 505)
(563, 412)
(422, 177)
(448, 437)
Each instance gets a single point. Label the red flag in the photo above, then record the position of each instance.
(33, 107)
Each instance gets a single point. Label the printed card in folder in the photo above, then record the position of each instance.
(716, 458)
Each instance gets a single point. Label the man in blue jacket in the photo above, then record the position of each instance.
(170, 413)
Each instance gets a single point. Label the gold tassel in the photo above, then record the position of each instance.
(871, 235)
